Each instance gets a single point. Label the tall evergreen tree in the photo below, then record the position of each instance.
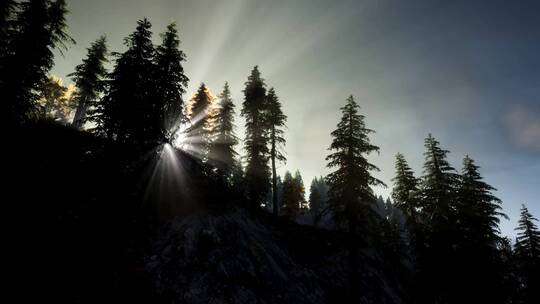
(391, 242)
(438, 279)
(316, 197)
(171, 83)
(89, 80)
(350, 194)
(222, 153)
(439, 182)
(300, 191)
(384, 207)
(478, 209)
(37, 29)
(254, 111)
(406, 199)
(201, 129)
(527, 254)
(405, 192)
(128, 109)
(511, 286)
(478, 215)
(528, 239)
(395, 215)
(280, 188)
(276, 121)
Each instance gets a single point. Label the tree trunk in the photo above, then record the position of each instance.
(80, 114)
(354, 279)
(274, 177)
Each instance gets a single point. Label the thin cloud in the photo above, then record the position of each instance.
(524, 127)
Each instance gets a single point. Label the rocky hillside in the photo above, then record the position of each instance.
(238, 258)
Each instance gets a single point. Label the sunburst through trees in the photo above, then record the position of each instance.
(440, 234)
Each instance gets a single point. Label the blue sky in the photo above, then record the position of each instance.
(466, 71)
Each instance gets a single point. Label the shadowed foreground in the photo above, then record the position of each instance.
(235, 258)
(86, 227)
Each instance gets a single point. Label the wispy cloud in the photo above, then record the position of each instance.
(524, 127)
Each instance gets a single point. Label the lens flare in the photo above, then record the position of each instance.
(167, 183)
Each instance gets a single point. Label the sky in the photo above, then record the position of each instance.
(466, 71)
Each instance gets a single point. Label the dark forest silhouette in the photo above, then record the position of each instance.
(96, 176)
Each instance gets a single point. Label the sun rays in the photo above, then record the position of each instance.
(167, 182)
(194, 136)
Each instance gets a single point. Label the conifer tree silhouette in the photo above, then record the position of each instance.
(527, 255)
(438, 200)
(128, 110)
(350, 193)
(37, 29)
(276, 121)
(477, 217)
(405, 191)
(89, 78)
(254, 110)
(201, 129)
(222, 153)
(171, 83)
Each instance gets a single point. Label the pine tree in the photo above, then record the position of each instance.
(318, 199)
(202, 124)
(528, 239)
(128, 109)
(222, 153)
(256, 142)
(315, 197)
(391, 242)
(38, 28)
(406, 198)
(381, 206)
(171, 83)
(439, 182)
(510, 286)
(276, 121)
(405, 191)
(478, 258)
(89, 80)
(300, 191)
(478, 209)
(395, 215)
(293, 195)
(288, 207)
(527, 254)
(280, 188)
(440, 233)
(350, 194)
